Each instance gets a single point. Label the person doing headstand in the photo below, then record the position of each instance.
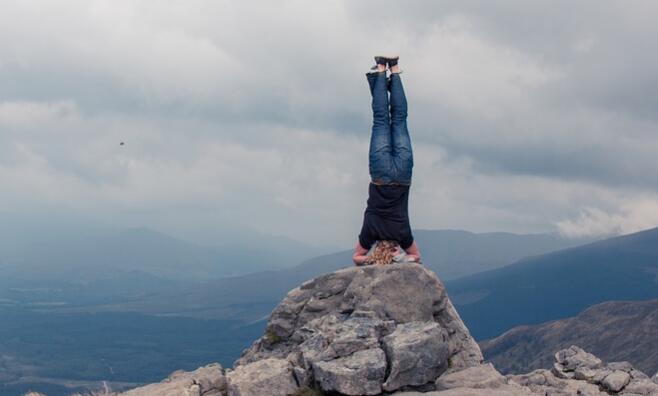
(386, 235)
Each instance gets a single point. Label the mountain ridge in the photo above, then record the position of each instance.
(612, 269)
(612, 330)
(265, 289)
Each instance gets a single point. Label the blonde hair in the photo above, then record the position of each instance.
(383, 253)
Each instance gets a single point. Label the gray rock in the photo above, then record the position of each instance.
(637, 374)
(274, 375)
(585, 374)
(205, 380)
(559, 371)
(466, 352)
(539, 377)
(571, 358)
(616, 380)
(316, 349)
(478, 377)
(600, 374)
(375, 288)
(641, 387)
(403, 308)
(392, 294)
(575, 363)
(655, 378)
(544, 382)
(417, 353)
(535, 378)
(303, 375)
(504, 390)
(623, 366)
(359, 374)
(334, 336)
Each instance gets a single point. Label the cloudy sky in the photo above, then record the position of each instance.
(525, 116)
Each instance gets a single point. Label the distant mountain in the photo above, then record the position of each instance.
(249, 297)
(454, 253)
(83, 268)
(102, 254)
(559, 284)
(615, 330)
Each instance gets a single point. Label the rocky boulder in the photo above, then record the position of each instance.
(577, 372)
(413, 345)
(275, 375)
(360, 373)
(365, 330)
(387, 330)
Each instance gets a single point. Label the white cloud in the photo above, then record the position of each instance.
(257, 114)
(632, 215)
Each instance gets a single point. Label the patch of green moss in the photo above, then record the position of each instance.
(272, 338)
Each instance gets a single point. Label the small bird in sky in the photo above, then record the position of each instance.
(121, 144)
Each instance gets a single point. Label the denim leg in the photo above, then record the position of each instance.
(402, 151)
(380, 155)
(371, 83)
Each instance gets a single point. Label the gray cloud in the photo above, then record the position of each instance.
(256, 115)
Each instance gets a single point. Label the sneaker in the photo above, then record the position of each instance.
(388, 60)
(378, 61)
(373, 69)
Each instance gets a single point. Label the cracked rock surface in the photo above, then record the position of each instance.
(387, 330)
(396, 319)
(274, 375)
(204, 381)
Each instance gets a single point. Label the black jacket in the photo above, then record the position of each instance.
(386, 216)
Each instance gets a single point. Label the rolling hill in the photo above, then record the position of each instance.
(559, 284)
(613, 331)
(97, 255)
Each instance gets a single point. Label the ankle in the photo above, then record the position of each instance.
(395, 69)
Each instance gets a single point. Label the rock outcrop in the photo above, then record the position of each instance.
(363, 331)
(386, 330)
(207, 381)
(577, 372)
(275, 375)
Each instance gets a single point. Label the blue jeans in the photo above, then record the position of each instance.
(390, 157)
